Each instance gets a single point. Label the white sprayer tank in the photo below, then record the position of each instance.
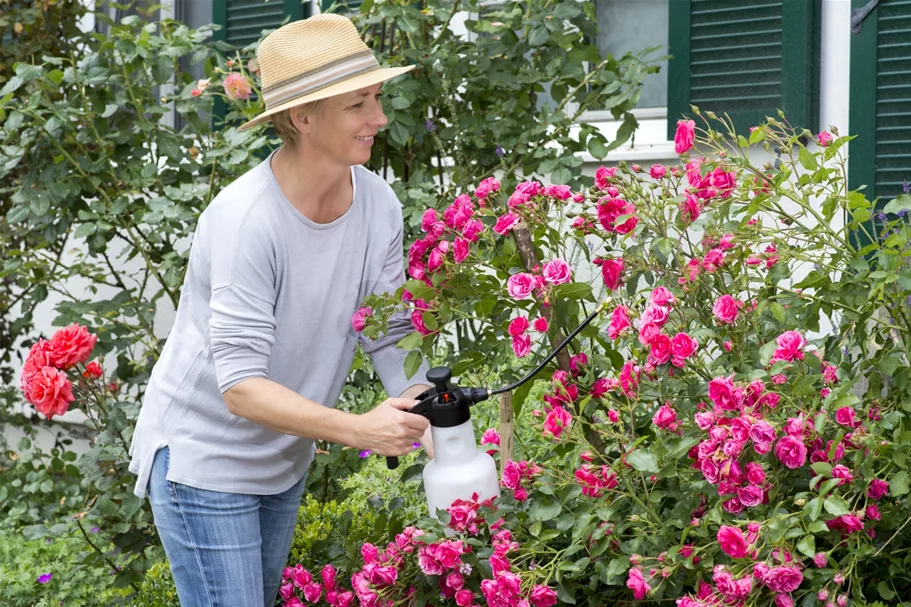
(459, 469)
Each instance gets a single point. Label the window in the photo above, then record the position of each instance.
(243, 21)
(747, 58)
(881, 100)
(633, 26)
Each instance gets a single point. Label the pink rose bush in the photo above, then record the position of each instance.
(57, 370)
(731, 428)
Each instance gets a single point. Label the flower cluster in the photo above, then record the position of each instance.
(44, 381)
(298, 583)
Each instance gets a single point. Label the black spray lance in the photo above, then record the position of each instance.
(460, 470)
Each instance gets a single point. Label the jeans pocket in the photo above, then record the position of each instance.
(172, 489)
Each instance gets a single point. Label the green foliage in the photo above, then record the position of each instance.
(73, 583)
(157, 589)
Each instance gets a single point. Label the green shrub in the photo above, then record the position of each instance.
(23, 562)
(157, 588)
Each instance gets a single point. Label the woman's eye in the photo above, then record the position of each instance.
(358, 104)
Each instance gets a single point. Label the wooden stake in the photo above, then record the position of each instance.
(506, 431)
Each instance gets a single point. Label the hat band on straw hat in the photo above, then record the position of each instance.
(320, 78)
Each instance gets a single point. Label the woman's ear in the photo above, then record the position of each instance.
(302, 121)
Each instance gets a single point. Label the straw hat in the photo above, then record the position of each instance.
(313, 59)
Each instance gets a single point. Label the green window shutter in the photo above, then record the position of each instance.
(243, 21)
(748, 58)
(344, 7)
(880, 109)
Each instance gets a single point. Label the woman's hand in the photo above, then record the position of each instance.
(389, 429)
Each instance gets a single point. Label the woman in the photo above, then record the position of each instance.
(262, 342)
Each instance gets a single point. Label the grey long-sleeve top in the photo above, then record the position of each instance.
(268, 293)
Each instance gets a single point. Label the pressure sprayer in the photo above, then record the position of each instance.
(459, 468)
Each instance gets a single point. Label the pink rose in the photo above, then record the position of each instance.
(755, 473)
(518, 325)
(657, 315)
(665, 418)
(637, 583)
(783, 579)
(790, 346)
(428, 562)
(560, 192)
(877, 489)
(611, 272)
(629, 378)
(660, 350)
(819, 559)
(557, 420)
(873, 512)
(784, 600)
(428, 219)
(713, 260)
(328, 574)
(464, 597)
(685, 135)
(683, 346)
(690, 208)
(732, 542)
(460, 249)
(237, 86)
(824, 139)
(49, 391)
(619, 322)
(724, 394)
(437, 256)
(762, 432)
(70, 346)
(486, 187)
(611, 209)
(726, 309)
(519, 286)
(449, 553)
(576, 362)
(662, 296)
(505, 223)
(689, 272)
(557, 272)
(602, 177)
(542, 596)
(472, 229)
(648, 331)
(359, 319)
(657, 171)
(417, 321)
(313, 590)
(521, 345)
(791, 452)
(369, 553)
(843, 473)
(846, 524)
(512, 475)
(846, 416)
(750, 496)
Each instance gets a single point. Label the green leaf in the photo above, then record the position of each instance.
(411, 341)
(757, 135)
(901, 202)
(766, 352)
(643, 461)
(836, 505)
(574, 290)
(11, 86)
(777, 311)
(807, 546)
(597, 148)
(400, 103)
(413, 363)
(898, 484)
(823, 468)
(430, 321)
(807, 159)
(885, 591)
(813, 508)
(538, 36)
(545, 511)
(109, 110)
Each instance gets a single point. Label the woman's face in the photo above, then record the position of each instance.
(345, 126)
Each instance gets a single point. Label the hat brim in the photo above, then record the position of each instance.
(345, 86)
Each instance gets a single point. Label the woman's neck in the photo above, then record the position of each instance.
(320, 189)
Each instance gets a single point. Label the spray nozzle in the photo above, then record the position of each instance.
(446, 405)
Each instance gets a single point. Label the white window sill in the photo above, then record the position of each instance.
(649, 143)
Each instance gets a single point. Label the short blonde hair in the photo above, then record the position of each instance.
(284, 126)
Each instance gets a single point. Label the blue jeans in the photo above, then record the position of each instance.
(224, 548)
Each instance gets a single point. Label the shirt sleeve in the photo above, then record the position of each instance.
(389, 360)
(242, 325)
